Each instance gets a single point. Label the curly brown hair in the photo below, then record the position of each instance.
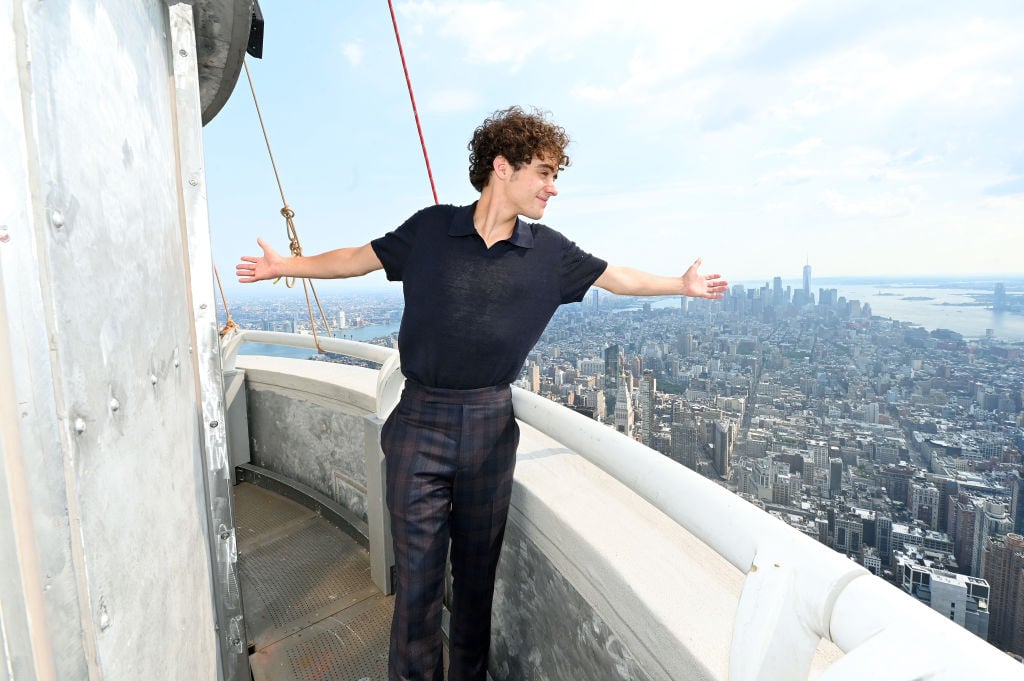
(519, 137)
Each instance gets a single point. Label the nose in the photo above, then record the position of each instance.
(551, 188)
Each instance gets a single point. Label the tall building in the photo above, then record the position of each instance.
(965, 517)
(999, 297)
(896, 480)
(534, 377)
(722, 439)
(965, 600)
(849, 533)
(1004, 571)
(807, 283)
(924, 503)
(883, 538)
(818, 450)
(685, 440)
(624, 408)
(612, 374)
(1017, 502)
(648, 386)
(835, 477)
(992, 520)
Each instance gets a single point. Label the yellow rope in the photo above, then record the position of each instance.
(230, 325)
(289, 217)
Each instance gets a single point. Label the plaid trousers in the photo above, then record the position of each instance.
(449, 456)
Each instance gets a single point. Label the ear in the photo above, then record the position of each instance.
(502, 168)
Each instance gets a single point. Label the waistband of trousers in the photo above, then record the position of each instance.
(488, 395)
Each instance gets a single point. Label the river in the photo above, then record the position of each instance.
(362, 333)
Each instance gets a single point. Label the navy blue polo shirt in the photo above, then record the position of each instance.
(472, 313)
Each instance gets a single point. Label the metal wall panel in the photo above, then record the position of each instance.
(98, 337)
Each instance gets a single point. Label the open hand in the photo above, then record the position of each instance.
(267, 266)
(703, 285)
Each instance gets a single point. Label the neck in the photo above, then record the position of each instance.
(493, 220)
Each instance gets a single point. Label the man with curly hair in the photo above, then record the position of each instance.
(480, 286)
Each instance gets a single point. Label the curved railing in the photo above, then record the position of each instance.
(389, 380)
(796, 591)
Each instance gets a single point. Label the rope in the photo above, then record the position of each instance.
(289, 217)
(412, 99)
(230, 325)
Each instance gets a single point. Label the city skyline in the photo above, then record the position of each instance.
(873, 139)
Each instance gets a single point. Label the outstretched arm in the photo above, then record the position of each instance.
(338, 264)
(630, 282)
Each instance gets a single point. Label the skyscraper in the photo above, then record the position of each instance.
(1017, 502)
(648, 386)
(612, 371)
(1004, 571)
(722, 438)
(624, 408)
(807, 282)
(835, 477)
(999, 297)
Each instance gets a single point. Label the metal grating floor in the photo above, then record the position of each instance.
(311, 611)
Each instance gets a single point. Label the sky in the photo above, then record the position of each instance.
(864, 138)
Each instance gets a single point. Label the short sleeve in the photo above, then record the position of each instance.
(394, 247)
(579, 271)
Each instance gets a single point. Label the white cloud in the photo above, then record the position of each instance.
(800, 149)
(353, 53)
(880, 206)
(451, 101)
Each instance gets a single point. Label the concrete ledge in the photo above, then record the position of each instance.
(662, 603)
(316, 381)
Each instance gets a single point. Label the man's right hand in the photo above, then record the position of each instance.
(268, 266)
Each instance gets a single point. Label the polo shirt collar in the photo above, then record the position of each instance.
(462, 225)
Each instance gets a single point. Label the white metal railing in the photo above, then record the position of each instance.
(796, 591)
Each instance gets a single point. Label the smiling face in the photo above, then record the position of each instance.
(531, 185)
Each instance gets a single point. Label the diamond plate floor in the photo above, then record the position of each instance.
(311, 611)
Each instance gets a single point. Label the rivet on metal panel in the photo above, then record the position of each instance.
(114, 404)
(104, 616)
(214, 424)
(203, 306)
(193, 181)
(57, 219)
(225, 535)
(183, 53)
(4, 236)
(79, 425)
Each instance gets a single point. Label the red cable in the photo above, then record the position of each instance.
(412, 99)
